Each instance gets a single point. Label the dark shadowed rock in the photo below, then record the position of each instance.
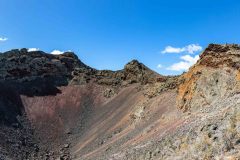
(136, 72)
(22, 65)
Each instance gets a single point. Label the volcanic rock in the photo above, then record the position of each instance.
(215, 76)
(56, 107)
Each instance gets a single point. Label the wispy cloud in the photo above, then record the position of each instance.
(33, 49)
(185, 64)
(192, 48)
(159, 66)
(2, 39)
(57, 52)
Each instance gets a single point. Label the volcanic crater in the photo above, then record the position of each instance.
(57, 107)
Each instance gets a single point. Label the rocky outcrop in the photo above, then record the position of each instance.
(138, 72)
(21, 65)
(133, 72)
(214, 77)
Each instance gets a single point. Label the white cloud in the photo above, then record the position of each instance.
(2, 39)
(192, 48)
(184, 65)
(33, 49)
(57, 52)
(159, 66)
(170, 49)
(190, 59)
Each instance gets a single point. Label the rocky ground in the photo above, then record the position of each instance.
(56, 107)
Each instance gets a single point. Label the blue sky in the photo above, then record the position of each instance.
(106, 34)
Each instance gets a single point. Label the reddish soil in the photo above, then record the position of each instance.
(81, 116)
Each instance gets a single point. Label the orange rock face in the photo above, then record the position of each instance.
(216, 59)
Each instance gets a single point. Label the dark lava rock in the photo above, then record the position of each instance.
(22, 65)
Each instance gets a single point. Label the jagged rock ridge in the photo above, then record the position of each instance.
(24, 65)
